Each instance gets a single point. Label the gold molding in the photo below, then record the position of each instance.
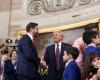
(65, 27)
(70, 26)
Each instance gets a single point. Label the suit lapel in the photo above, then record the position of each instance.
(30, 41)
(53, 53)
(62, 49)
(61, 56)
(28, 38)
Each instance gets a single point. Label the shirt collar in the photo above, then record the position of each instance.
(30, 36)
(58, 44)
(13, 61)
(92, 44)
(68, 62)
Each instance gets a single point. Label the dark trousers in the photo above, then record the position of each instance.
(25, 78)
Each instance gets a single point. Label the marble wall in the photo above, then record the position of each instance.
(46, 39)
(47, 13)
(4, 17)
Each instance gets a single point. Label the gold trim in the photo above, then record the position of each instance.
(70, 26)
(65, 27)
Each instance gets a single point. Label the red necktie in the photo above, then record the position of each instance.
(57, 58)
(33, 41)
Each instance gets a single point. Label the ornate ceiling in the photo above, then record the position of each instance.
(35, 6)
(50, 13)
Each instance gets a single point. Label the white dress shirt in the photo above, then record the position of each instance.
(14, 63)
(59, 46)
(30, 36)
(68, 62)
(2, 65)
(92, 44)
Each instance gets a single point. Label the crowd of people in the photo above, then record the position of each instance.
(63, 61)
(8, 66)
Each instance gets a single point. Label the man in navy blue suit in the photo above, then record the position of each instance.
(71, 71)
(91, 39)
(54, 57)
(28, 60)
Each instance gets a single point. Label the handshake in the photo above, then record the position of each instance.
(43, 68)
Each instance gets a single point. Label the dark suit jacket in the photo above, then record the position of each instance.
(72, 72)
(91, 49)
(97, 50)
(87, 51)
(50, 59)
(28, 60)
(9, 72)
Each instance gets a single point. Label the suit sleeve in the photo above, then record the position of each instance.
(46, 56)
(30, 53)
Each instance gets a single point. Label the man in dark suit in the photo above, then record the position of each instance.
(28, 60)
(54, 57)
(92, 40)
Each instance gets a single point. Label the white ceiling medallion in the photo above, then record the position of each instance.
(34, 7)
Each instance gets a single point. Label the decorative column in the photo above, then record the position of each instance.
(5, 8)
